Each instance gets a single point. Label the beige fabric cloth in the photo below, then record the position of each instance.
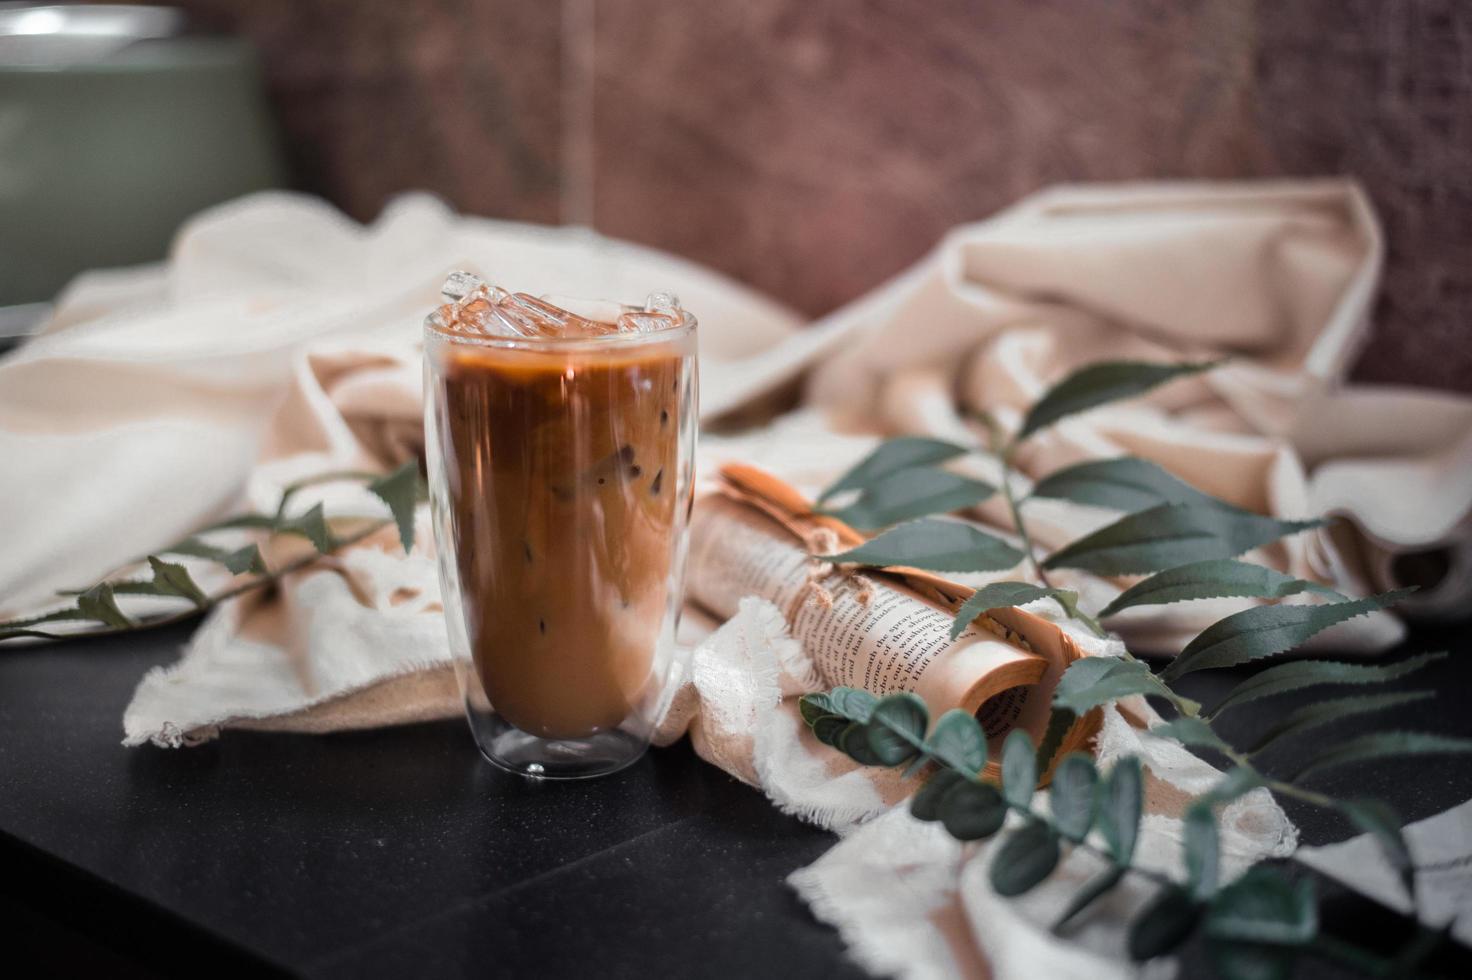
(280, 342)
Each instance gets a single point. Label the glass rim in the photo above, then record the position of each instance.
(554, 344)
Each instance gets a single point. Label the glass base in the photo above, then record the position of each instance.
(507, 747)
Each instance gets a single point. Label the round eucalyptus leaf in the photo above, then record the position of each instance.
(828, 727)
(1075, 787)
(959, 742)
(971, 811)
(925, 804)
(853, 742)
(1165, 923)
(896, 728)
(1024, 859)
(1019, 769)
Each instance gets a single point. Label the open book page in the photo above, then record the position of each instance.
(872, 630)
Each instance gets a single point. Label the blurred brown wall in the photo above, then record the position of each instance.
(813, 148)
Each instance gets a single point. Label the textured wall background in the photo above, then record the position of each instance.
(814, 147)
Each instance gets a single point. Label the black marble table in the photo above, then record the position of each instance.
(400, 853)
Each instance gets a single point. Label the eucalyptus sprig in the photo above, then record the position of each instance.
(1188, 544)
(400, 490)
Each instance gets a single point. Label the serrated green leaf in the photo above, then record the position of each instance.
(1164, 924)
(1072, 798)
(853, 742)
(1121, 805)
(1100, 383)
(173, 579)
(1263, 631)
(1019, 769)
(8, 634)
(1385, 745)
(238, 561)
(400, 490)
(972, 811)
(1092, 890)
(1126, 483)
(1000, 595)
(901, 453)
(828, 728)
(1263, 908)
(1190, 731)
(1169, 535)
(311, 525)
(938, 545)
(958, 741)
(1380, 821)
(1323, 712)
(58, 616)
(1060, 720)
(1203, 852)
(1311, 673)
(1027, 856)
(925, 804)
(1213, 579)
(98, 604)
(1092, 681)
(896, 727)
(907, 494)
(1235, 783)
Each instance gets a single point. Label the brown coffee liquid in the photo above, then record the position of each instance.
(561, 477)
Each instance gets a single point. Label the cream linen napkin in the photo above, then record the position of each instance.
(279, 342)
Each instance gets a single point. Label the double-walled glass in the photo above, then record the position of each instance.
(561, 476)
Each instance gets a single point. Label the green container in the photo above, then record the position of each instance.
(101, 160)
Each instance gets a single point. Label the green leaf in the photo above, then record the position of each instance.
(1019, 769)
(1099, 383)
(853, 742)
(1025, 858)
(812, 707)
(925, 804)
(1379, 820)
(1203, 852)
(1120, 809)
(1093, 889)
(907, 494)
(10, 634)
(958, 741)
(1212, 579)
(1163, 924)
(897, 728)
(60, 615)
(1000, 595)
(891, 456)
(1169, 535)
(1267, 630)
(400, 490)
(1311, 673)
(1322, 712)
(1092, 681)
(1060, 720)
(1262, 907)
(246, 559)
(1126, 483)
(97, 603)
(853, 703)
(829, 728)
(938, 545)
(972, 811)
(312, 525)
(1190, 731)
(1385, 745)
(174, 579)
(1075, 786)
(1235, 783)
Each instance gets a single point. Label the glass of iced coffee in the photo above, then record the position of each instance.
(560, 440)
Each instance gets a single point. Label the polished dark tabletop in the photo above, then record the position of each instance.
(399, 852)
